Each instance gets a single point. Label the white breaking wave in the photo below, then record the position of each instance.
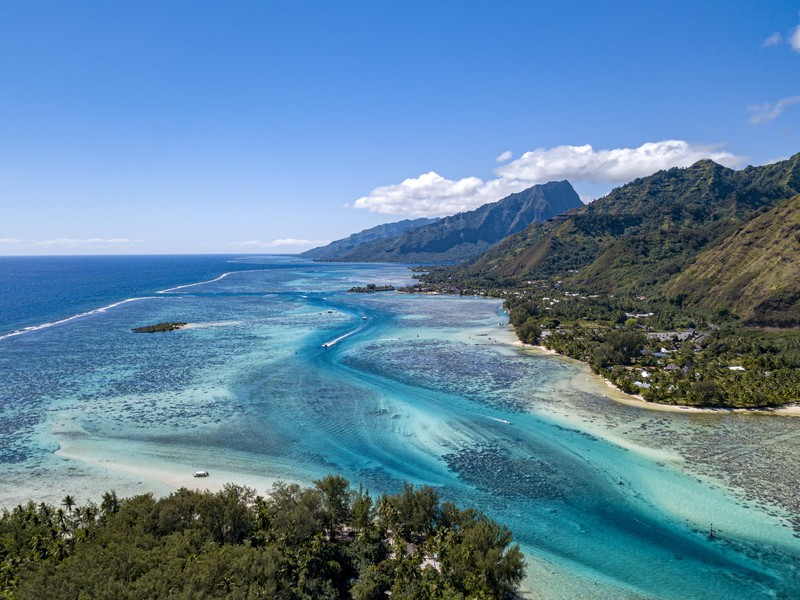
(103, 309)
(89, 313)
(180, 287)
(188, 285)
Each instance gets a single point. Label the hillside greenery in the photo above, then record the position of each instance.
(754, 273)
(328, 541)
(638, 239)
(683, 286)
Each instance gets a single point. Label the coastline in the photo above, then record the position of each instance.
(114, 468)
(638, 401)
(133, 464)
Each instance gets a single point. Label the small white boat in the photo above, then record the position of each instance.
(363, 318)
(201, 473)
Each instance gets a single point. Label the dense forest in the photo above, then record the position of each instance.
(328, 541)
(666, 354)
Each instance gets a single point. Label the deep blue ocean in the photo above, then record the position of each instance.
(284, 375)
(35, 290)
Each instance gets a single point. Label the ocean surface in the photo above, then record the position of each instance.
(283, 375)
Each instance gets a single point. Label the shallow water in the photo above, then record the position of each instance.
(608, 500)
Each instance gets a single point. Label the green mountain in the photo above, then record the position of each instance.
(755, 272)
(468, 234)
(345, 246)
(644, 237)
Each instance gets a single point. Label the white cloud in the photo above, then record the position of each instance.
(87, 242)
(764, 113)
(773, 40)
(504, 156)
(10, 241)
(432, 195)
(794, 39)
(618, 165)
(280, 243)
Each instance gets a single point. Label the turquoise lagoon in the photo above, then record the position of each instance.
(283, 375)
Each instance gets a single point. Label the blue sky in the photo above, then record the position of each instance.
(142, 127)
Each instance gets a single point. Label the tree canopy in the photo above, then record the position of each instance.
(328, 541)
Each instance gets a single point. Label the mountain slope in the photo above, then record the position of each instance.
(641, 235)
(346, 245)
(467, 234)
(755, 272)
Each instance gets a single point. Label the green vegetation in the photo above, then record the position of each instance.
(371, 288)
(674, 286)
(754, 273)
(168, 326)
(665, 354)
(659, 349)
(324, 542)
(714, 237)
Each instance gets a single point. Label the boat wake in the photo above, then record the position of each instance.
(340, 338)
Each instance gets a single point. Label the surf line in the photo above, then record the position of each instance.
(96, 311)
(180, 287)
(340, 338)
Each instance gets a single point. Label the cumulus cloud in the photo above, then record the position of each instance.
(584, 163)
(767, 112)
(504, 156)
(773, 40)
(794, 39)
(431, 194)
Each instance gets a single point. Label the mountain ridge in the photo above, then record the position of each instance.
(640, 236)
(346, 245)
(468, 234)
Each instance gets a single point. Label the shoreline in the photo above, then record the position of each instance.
(638, 401)
(159, 475)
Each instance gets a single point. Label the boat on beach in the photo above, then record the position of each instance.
(201, 473)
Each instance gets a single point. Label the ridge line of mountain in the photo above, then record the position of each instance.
(458, 237)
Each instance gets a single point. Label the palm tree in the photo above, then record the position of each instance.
(110, 504)
(59, 551)
(61, 520)
(68, 502)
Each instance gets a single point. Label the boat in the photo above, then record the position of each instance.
(363, 318)
(201, 473)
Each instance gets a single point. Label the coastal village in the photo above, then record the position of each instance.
(645, 347)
